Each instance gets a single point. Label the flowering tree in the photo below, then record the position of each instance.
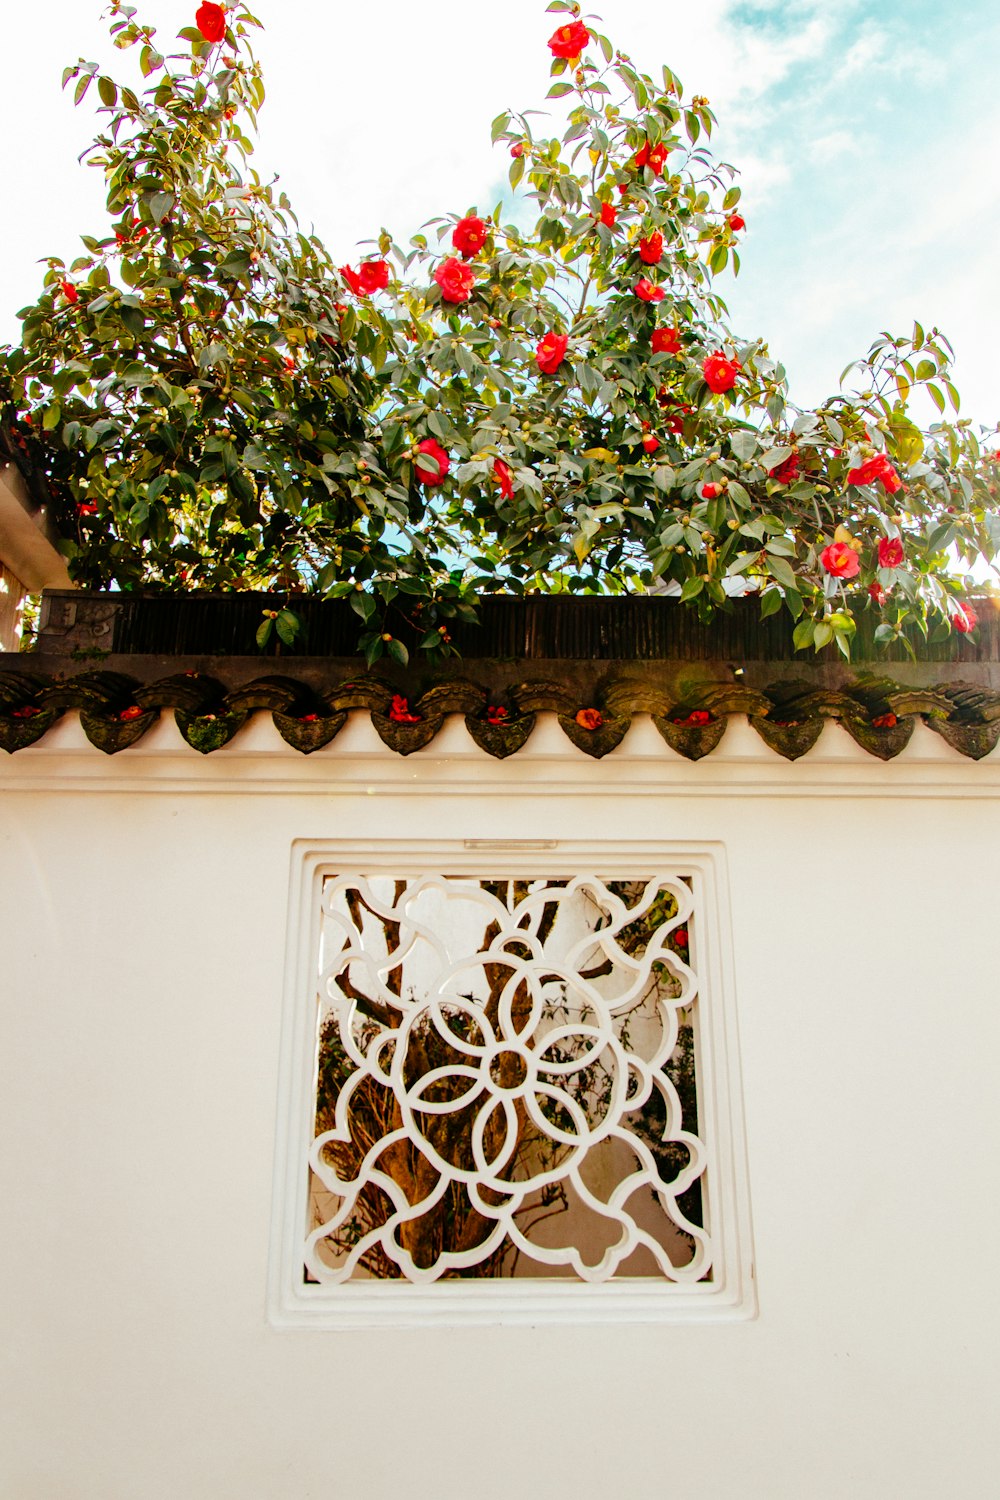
(208, 401)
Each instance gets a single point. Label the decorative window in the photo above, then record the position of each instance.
(510, 1090)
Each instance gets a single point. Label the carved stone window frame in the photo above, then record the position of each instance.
(730, 1295)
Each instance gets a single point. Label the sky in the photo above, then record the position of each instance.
(865, 135)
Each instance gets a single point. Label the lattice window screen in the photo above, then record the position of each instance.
(510, 1084)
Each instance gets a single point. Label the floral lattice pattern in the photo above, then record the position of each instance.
(506, 1080)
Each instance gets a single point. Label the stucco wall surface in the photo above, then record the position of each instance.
(143, 942)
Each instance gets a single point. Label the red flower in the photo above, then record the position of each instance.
(681, 937)
(840, 560)
(650, 443)
(787, 472)
(127, 237)
(86, 508)
(469, 236)
(496, 713)
(890, 552)
(651, 248)
(737, 222)
(503, 474)
(455, 280)
(550, 352)
(666, 341)
(885, 721)
(719, 372)
(711, 491)
(698, 717)
(964, 617)
(645, 289)
(353, 281)
(289, 362)
(399, 713)
(308, 718)
(26, 711)
(211, 21)
(877, 592)
(879, 468)
(69, 291)
(608, 215)
(570, 40)
(517, 149)
(132, 712)
(652, 157)
(590, 718)
(675, 421)
(373, 276)
(436, 471)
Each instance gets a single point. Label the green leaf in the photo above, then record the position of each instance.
(160, 205)
(781, 570)
(264, 633)
(108, 90)
(803, 633)
(289, 626)
(398, 651)
(743, 444)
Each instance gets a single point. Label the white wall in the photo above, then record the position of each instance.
(143, 940)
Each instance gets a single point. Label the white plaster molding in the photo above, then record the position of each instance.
(25, 548)
(258, 761)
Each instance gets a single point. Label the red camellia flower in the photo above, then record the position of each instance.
(87, 508)
(132, 712)
(737, 222)
(879, 468)
(645, 289)
(681, 937)
(517, 149)
(550, 352)
(308, 718)
(651, 248)
(373, 276)
(890, 552)
(353, 281)
(719, 372)
(69, 291)
(650, 443)
(666, 341)
(885, 721)
(496, 713)
(400, 713)
(840, 560)
(711, 491)
(698, 717)
(787, 472)
(590, 718)
(570, 40)
(877, 593)
(26, 711)
(652, 157)
(436, 471)
(455, 280)
(609, 214)
(211, 21)
(469, 236)
(964, 617)
(504, 479)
